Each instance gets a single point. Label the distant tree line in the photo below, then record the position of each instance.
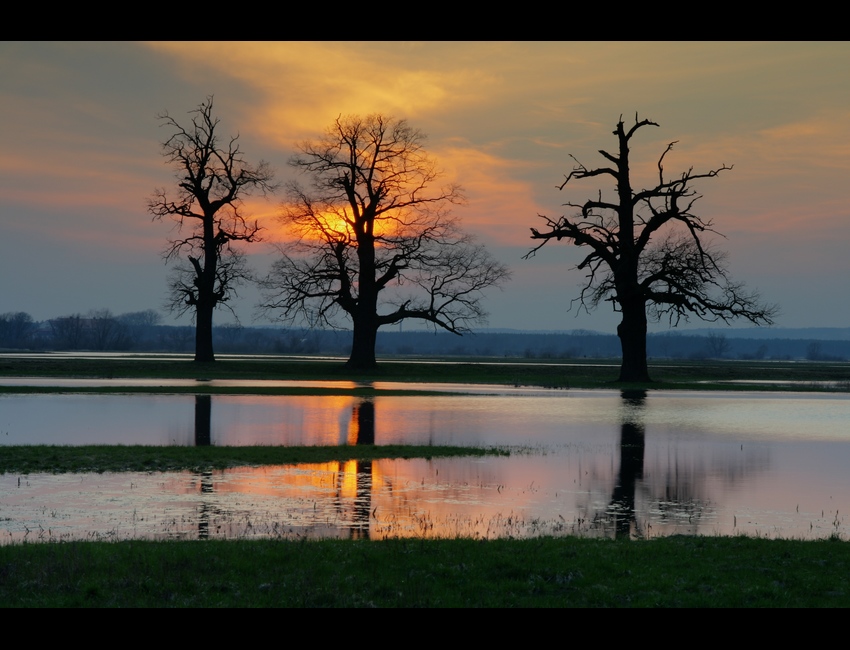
(96, 330)
(141, 331)
(580, 344)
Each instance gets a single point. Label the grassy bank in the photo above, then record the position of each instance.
(30, 459)
(569, 572)
(573, 374)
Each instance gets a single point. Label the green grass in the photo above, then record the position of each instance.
(546, 572)
(31, 459)
(205, 389)
(599, 373)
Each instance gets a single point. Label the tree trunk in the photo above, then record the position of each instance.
(203, 333)
(632, 333)
(363, 344)
(205, 297)
(365, 315)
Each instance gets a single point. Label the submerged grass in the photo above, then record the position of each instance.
(544, 572)
(32, 459)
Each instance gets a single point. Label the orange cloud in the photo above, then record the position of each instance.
(304, 86)
(501, 204)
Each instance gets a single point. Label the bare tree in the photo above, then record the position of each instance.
(16, 329)
(814, 351)
(648, 253)
(69, 332)
(213, 178)
(105, 331)
(146, 318)
(718, 346)
(371, 238)
(141, 327)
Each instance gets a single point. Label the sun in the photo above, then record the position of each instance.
(334, 225)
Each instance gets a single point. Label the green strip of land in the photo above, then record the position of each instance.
(565, 572)
(32, 459)
(204, 389)
(599, 373)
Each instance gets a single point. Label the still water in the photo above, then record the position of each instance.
(595, 463)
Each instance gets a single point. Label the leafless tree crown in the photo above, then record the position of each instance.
(212, 180)
(372, 218)
(648, 243)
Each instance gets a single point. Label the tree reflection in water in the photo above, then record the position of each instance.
(203, 413)
(636, 503)
(359, 473)
(621, 508)
(363, 422)
(203, 418)
(621, 517)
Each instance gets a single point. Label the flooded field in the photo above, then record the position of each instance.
(596, 463)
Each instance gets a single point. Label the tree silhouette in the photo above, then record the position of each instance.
(16, 329)
(371, 238)
(648, 253)
(213, 178)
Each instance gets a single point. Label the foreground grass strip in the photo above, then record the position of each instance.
(565, 572)
(32, 459)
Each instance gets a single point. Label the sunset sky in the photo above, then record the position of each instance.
(81, 150)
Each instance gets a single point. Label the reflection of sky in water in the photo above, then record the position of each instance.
(706, 463)
(529, 418)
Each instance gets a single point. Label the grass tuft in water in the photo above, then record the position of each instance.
(54, 459)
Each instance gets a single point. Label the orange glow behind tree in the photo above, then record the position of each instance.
(372, 220)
